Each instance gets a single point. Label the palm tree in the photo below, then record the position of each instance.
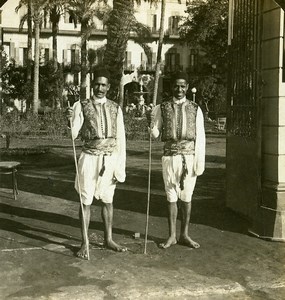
(118, 33)
(56, 10)
(159, 49)
(36, 8)
(119, 26)
(83, 12)
(28, 18)
(30, 54)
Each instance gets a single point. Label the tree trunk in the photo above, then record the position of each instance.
(36, 66)
(55, 20)
(55, 17)
(118, 31)
(159, 49)
(83, 61)
(30, 55)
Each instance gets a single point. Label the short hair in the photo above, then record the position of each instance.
(179, 75)
(102, 73)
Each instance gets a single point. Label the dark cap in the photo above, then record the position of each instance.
(102, 73)
(179, 75)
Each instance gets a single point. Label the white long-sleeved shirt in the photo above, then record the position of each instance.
(200, 142)
(120, 150)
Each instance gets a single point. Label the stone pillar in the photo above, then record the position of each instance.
(269, 221)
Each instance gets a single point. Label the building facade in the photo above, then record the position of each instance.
(175, 55)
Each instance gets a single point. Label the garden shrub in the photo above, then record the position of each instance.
(136, 128)
(54, 123)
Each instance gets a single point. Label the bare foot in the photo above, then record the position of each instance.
(83, 251)
(170, 242)
(114, 246)
(187, 241)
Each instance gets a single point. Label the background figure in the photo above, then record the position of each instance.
(103, 157)
(181, 125)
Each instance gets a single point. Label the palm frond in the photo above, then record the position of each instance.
(23, 19)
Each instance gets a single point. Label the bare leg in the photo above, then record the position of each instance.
(82, 253)
(184, 235)
(107, 216)
(172, 216)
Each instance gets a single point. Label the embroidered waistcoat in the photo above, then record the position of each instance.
(175, 117)
(99, 128)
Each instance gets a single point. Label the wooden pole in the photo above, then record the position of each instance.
(148, 195)
(79, 188)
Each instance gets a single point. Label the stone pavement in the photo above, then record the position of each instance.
(39, 234)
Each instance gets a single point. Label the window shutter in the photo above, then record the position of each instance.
(154, 22)
(170, 24)
(12, 50)
(77, 56)
(64, 56)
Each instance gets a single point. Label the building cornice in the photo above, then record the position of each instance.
(94, 33)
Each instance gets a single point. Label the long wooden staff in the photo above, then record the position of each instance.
(156, 79)
(79, 188)
(148, 194)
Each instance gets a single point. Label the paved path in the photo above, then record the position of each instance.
(39, 234)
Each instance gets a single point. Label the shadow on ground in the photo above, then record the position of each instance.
(52, 174)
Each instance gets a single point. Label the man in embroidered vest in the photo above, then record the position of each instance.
(103, 157)
(180, 124)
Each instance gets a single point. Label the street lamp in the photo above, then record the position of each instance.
(194, 90)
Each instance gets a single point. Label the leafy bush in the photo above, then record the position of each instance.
(54, 123)
(136, 128)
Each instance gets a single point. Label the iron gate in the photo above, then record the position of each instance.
(244, 66)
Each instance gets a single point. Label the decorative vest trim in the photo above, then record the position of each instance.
(99, 129)
(175, 117)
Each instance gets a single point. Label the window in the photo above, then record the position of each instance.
(74, 56)
(25, 56)
(173, 25)
(193, 60)
(128, 60)
(154, 23)
(68, 18)
(46, 56)
(73, 60)
(172, 61)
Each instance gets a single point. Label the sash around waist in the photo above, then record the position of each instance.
(179, 147)
(100, 146)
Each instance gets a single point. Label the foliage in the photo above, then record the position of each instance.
(120, 23)
(51, 85)
(14, 83)
(136, 128)
(205, 28)
(211, 94)
(54, 123)
(3, 60)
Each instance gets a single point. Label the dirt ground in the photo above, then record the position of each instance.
(39, 234)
